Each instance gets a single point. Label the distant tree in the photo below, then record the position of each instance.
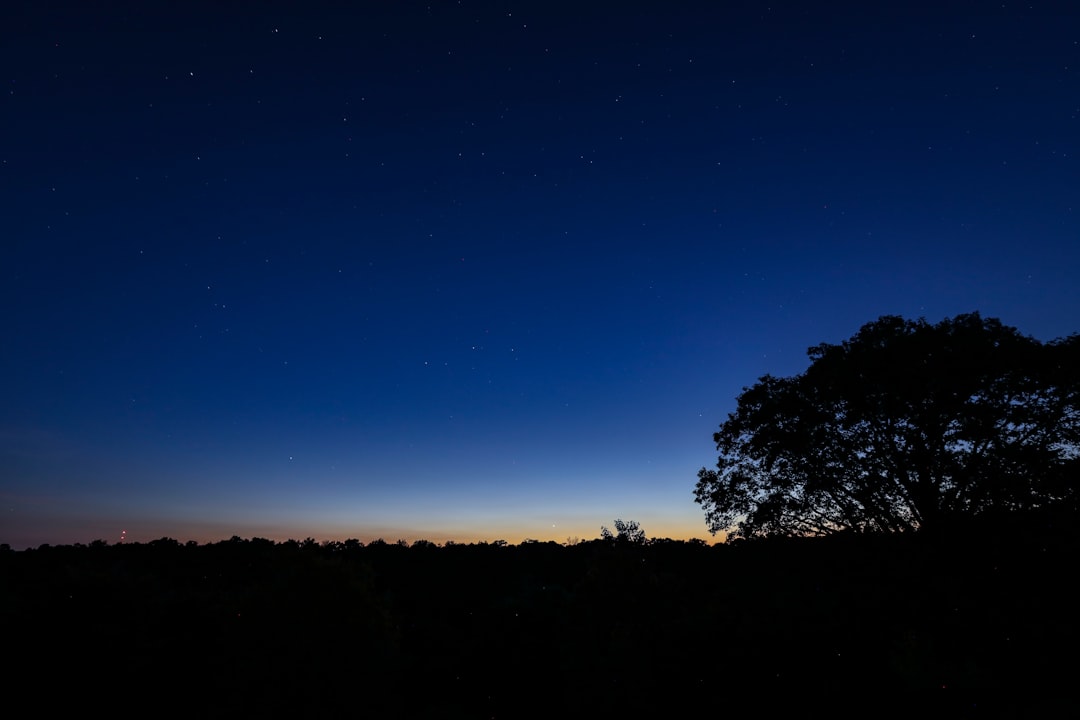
(905, 426)
(626, 531)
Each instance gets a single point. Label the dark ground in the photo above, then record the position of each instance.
(978, 623)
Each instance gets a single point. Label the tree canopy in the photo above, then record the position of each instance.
(905, 426)
(628, 531)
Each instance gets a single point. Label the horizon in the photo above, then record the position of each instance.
(390, 534)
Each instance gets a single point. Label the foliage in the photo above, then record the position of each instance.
(626, 531)
(905, 426)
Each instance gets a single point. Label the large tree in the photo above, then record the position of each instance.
(905, 426)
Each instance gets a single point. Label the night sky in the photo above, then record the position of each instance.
(480, 270)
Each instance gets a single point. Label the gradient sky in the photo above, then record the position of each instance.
(479, 270)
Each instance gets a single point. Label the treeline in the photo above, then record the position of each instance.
(498, 630)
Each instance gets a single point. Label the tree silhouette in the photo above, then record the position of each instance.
(905, 426)
(626, 531)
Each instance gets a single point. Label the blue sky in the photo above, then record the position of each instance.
(486, 270)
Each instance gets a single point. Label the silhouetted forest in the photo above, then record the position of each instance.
(970, 621)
